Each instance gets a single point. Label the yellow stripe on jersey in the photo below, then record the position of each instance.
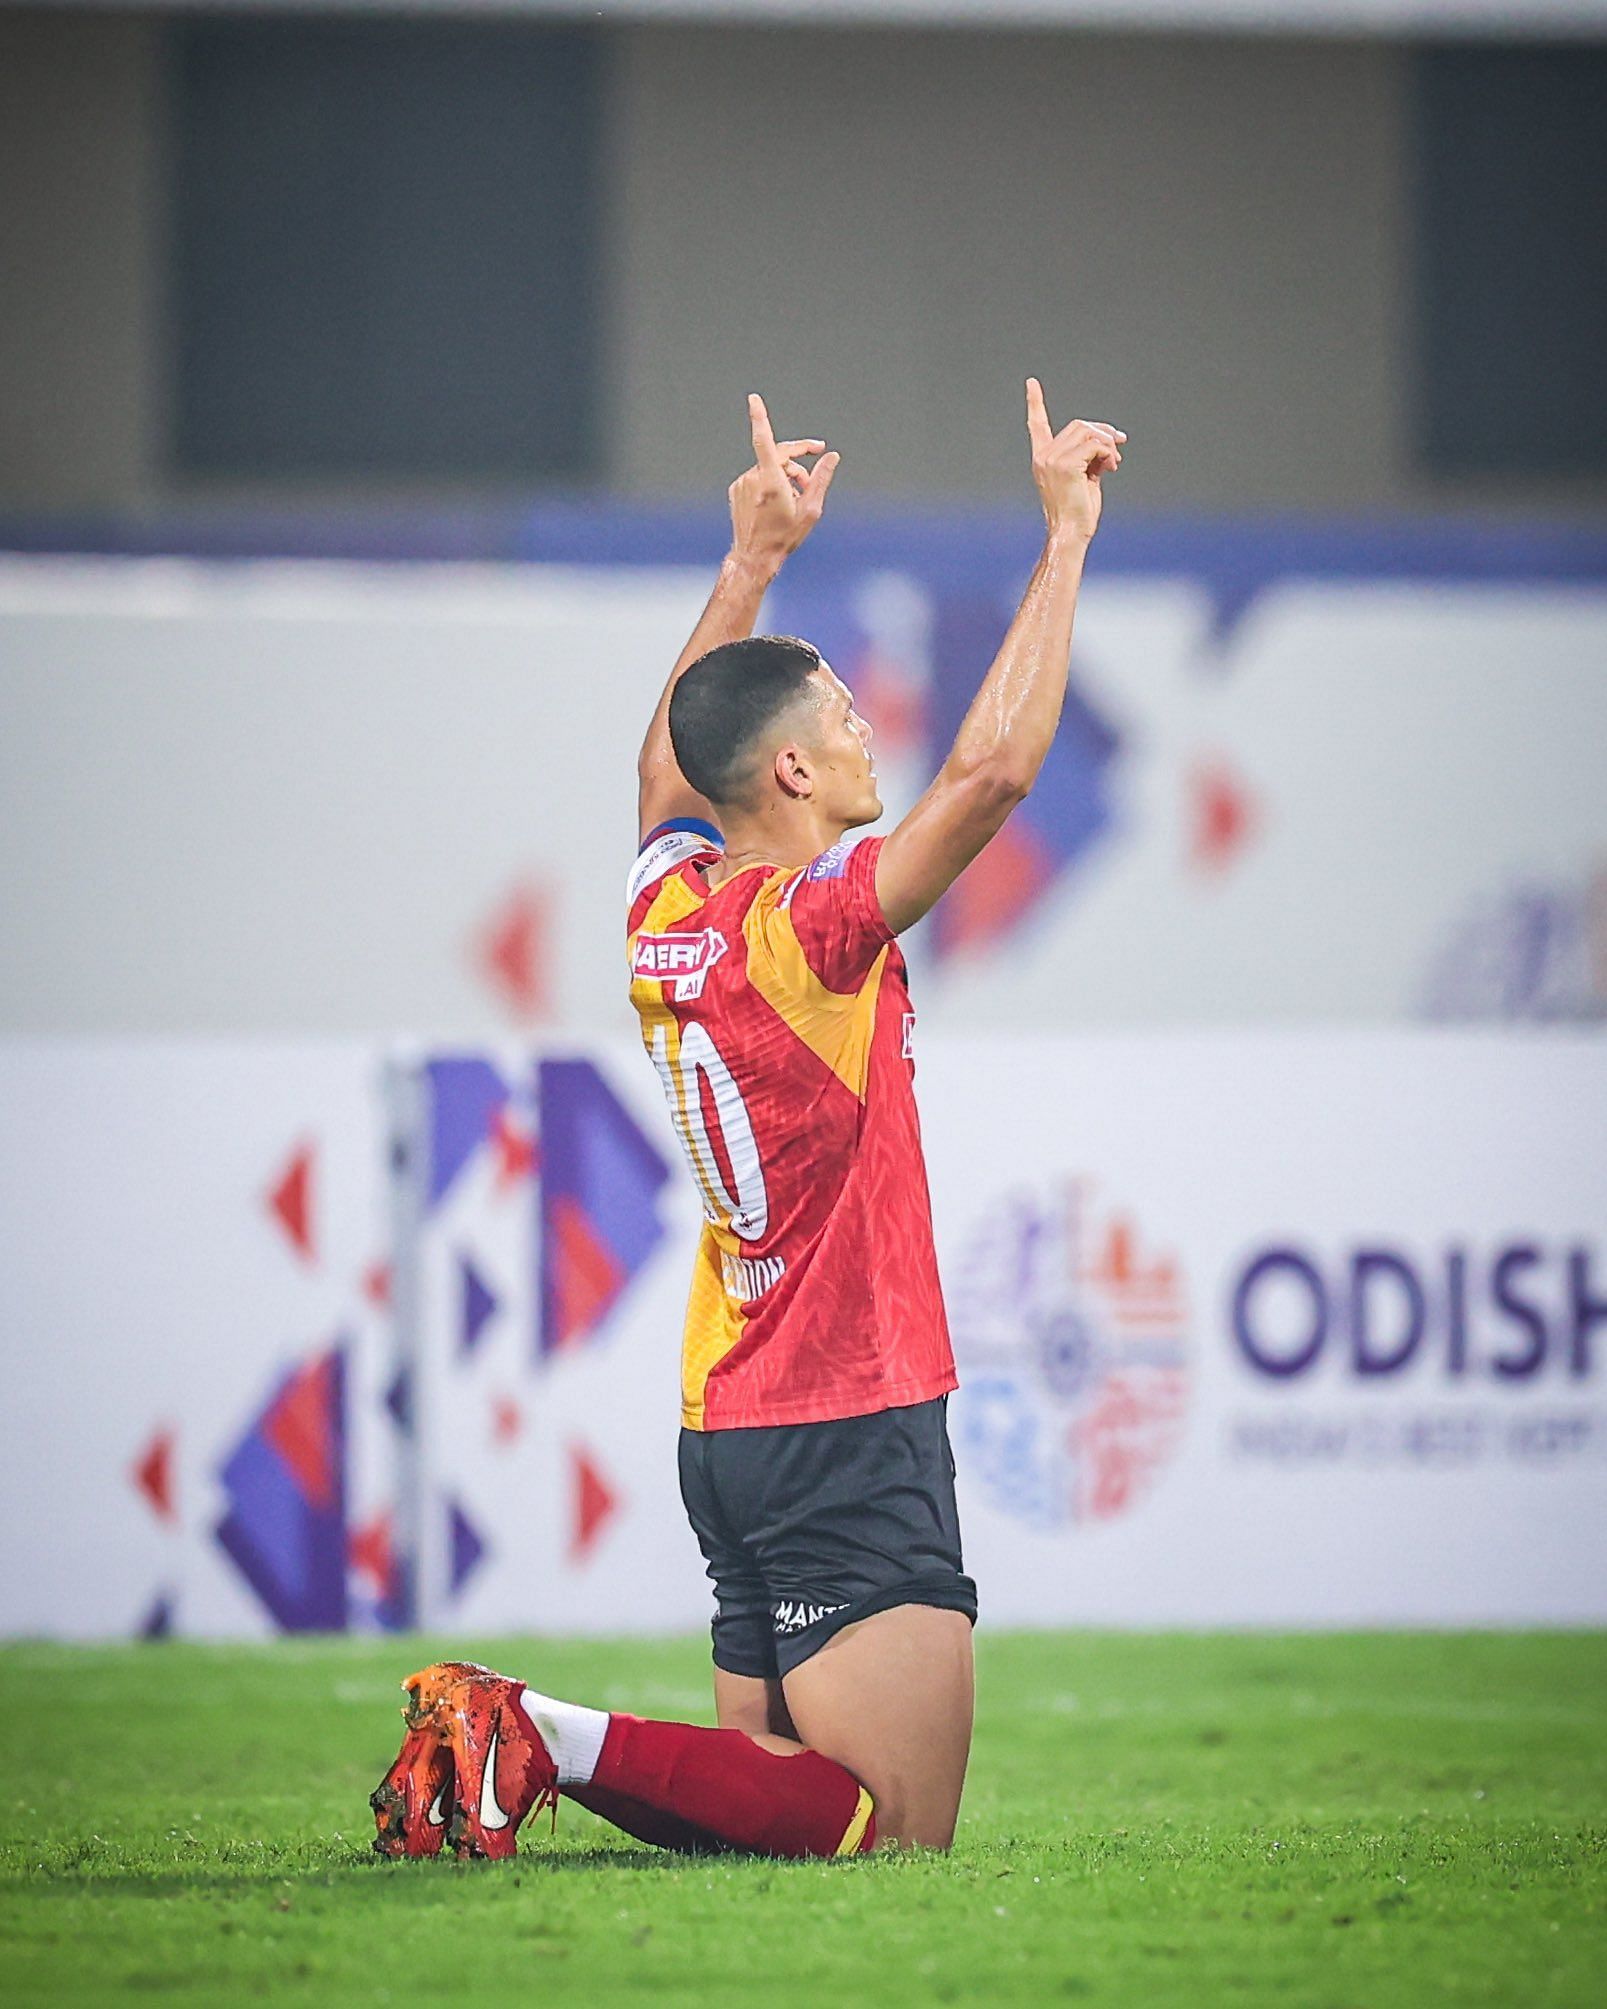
(714, 1323)
(837, 1027)
(854, 1834)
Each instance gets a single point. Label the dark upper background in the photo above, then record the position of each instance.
(254, 259)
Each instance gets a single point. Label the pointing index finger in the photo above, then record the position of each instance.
(764, 439)
(1039, 430)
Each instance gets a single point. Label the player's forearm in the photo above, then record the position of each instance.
(1013, 717)
(733, 608)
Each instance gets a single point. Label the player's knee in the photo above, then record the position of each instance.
(907, 1818)
(906, 1833)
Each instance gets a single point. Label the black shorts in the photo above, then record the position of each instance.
(807, 1527)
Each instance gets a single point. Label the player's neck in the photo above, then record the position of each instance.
(788, 836)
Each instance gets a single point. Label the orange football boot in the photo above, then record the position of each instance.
(414, 1801)
(503, 1769)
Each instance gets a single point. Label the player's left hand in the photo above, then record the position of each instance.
(776, 504)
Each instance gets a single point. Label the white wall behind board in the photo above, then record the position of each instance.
(302, 799)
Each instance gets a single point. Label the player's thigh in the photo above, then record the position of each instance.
(743, 1702)
(891, 1698)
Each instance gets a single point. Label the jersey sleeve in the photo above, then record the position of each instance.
(664, 851)
(836, 915)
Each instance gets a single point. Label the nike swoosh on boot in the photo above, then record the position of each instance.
(492, 1815)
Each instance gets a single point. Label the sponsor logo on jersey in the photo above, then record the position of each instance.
(907, 1050)
(682, 961)
(1074, 1341)
(748, 1277)
(833, 864)
(791, 1616)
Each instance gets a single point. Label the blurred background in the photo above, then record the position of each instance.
(369, 384)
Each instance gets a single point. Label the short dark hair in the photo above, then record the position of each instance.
(725, 703)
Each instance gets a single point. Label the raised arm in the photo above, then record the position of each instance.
(1007, 732)
(774, 506)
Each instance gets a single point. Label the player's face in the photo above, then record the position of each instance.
(846, 783)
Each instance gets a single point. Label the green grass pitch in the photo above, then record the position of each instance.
(1356, 1821)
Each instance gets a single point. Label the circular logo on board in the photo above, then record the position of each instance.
(1072, 1337)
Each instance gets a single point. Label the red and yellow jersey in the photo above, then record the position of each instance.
(776, 1010)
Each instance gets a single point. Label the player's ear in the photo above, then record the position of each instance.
(794, 775)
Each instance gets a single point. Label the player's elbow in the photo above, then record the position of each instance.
(995, 782)
(1011, 784)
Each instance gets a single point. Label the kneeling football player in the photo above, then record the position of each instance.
(814, 1456)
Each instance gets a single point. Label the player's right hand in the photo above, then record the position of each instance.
(1067, 466)
(776, 504)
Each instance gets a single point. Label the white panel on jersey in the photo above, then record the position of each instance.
(665, 852)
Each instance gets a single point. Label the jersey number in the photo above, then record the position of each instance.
(699, 1067)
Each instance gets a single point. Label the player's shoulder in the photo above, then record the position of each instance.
(821, 922)
(838, 860)
(837, 887)
(669, 848)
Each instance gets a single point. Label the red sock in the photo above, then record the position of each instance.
(721, 1782)
(664, 1831)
